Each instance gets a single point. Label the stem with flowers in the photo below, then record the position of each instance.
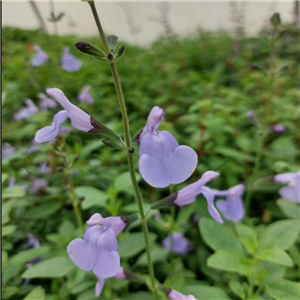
(128, 144)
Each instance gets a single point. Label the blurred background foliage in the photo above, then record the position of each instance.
(206, 84)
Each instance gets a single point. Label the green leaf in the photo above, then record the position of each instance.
(9, 291)
(236, 287)
(13, 192)
(133, 243)
(52, 267)
(280, 235)
(123, 182)
(37, 293)
(6, 230)
(232, 153)
(284, 290)
(6, 208)
(267, 272)
(93, 196)
(92, 146)
(289, 208)
(247, 236)
(42, 210)
(26, 255)
(277, 256)
(4, 177)
(218, 236)
(157, 254)
(202, 292)
(230, 260)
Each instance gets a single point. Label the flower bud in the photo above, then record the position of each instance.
(275, 20)
(90, 49)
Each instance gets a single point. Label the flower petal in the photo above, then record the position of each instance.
(291, 193)
(82, 254)
(187, 195)
(154, 119)
(107, 240)
(79, 119)
(99, 286)
(69, 62)
(232, 209)
(107, 264)
(285, 177)
(48, 133)
(208, 194)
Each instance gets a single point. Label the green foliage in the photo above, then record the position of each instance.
(206, 90)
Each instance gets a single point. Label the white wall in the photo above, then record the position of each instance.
(141, 22)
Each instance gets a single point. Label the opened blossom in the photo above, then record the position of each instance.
(69, 62)
(292, 190)
(278, 128)
(97, 251)
(177, 243)
(188, 195)
(85, 96)
(40, 56)
(46, 102)
(26, 112)
(79, 119)
(162, 161)
(233, 207)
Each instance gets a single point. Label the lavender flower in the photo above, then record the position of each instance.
(162, 161)
(26, 112)
(188, 195)
(97, 251)
(174, 295)
(233, 207)
(46, 102)
(7, 150)
(38, 184)
(177, 243)
(32, 149)
(292, 191)
(32, 241)
(43, 169)
(69, 62)
(118, 224)
(278, 128)
(40, 56)
(79, 119)
(85, 96)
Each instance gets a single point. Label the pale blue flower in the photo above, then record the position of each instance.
(69, 62)
(162, 161)
(292, 191)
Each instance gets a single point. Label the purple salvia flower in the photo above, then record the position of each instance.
(278, 128)
(188, 194)
(40, 56)
(85, 96)
(32, 149)
(97, 251)
(43, 169)
(233, 207)
(177, 243)
(162, 161)
(116, 223)
(174, 295)
(79, 119)
(31, 242)
(38, 184)
(26, 112)
(46, 102)
(7, 150)
(69, 62)
(292, 191)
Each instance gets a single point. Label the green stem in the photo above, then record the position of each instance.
(72, 194)
(125, 121)
(254, 173)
